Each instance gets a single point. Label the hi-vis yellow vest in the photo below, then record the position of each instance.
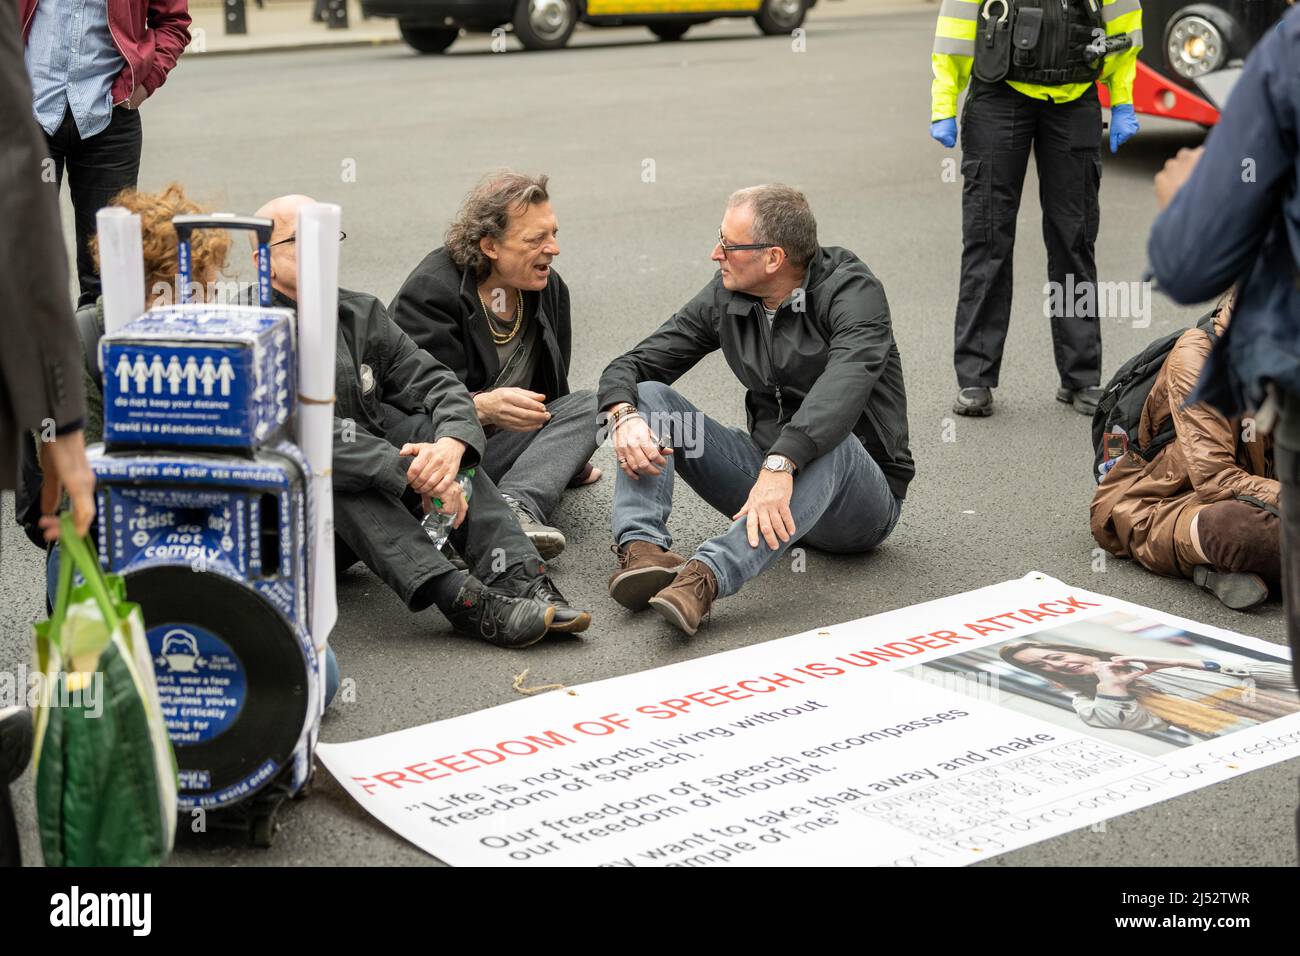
(954, 52)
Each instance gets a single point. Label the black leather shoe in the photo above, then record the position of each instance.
(499, 617)
(976, 402)
(1084, 400)
(568, 619)
(1237, 590)
(530, 580)
(15, 743)
(15, 753)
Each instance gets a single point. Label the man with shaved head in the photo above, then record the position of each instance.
(404, 427)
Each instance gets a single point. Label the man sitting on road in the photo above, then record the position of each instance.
(490, 306)
(824, 459)
(404, 428)
(1205, 506)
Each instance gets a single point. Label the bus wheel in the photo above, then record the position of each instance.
(545, 24)
(780, 16)
(425, 38)
(670, 31)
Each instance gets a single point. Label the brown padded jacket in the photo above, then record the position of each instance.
(1144, 510)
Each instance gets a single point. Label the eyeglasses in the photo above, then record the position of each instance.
(279, 242)
(741, 247)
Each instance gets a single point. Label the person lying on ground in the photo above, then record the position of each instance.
(1205, 506)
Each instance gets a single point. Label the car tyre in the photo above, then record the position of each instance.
(425, 38)
(778, 17)
(671, 31)
(545, 24)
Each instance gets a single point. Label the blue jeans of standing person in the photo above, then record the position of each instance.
(841, 501)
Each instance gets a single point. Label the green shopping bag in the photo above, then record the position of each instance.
(105, 771)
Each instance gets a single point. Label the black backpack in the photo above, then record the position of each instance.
(1123, 397)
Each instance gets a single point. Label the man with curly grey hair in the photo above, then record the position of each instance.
(490, 306)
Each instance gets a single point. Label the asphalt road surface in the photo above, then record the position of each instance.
(397, 139)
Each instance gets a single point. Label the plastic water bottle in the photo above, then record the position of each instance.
(436, 524)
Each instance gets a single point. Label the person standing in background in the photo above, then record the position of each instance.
(91, 64)
(40, 362)
(1221, 227)
(1033, 73)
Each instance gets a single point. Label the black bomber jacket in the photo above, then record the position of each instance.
(827, 367)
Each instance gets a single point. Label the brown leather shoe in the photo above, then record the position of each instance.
(688, 599)
(644, 569)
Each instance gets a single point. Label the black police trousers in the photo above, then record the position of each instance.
(999, 125)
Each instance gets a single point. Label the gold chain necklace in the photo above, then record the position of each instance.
(501, 338)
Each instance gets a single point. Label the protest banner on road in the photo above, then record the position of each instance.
(938, 734)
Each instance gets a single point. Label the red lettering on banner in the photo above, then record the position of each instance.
(780, 680)
(504, 747)
(830, 669)
(702, 697)
(415, 768)
(367, 787)
(925, 641)
(1077, 602)
(552, 738)
(857, 660)
(742, 685)
(655, 711)
(497, 758)
(908, 647)
(453, 762)
(1035, 616)
(396, 775)
(604, 729)
(730, 693)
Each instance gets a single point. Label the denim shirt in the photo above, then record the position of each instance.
(72, 61)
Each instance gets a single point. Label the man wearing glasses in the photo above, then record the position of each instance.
(404, 427)
(824, 458)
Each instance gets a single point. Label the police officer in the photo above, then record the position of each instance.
(1032, 66)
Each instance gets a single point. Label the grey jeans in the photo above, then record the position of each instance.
(841, 501)
(535, 467)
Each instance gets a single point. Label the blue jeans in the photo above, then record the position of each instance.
(841, 501)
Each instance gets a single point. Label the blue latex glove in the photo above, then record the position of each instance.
(945, 131)
(1123, 124)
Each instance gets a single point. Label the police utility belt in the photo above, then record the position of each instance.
(1046, 42)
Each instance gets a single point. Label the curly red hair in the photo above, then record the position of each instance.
(208, 247)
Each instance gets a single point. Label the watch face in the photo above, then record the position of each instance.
(775, 463)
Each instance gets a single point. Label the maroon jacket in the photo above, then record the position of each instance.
(150, 35)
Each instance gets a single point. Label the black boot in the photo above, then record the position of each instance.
(498, 616)
(530, 580)
(568, 619)
(15, 752)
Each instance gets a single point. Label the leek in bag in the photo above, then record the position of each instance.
(105, 772)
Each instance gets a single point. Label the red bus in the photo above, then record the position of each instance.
(1193, 52)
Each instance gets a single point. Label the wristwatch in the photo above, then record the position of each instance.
(778, 463)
